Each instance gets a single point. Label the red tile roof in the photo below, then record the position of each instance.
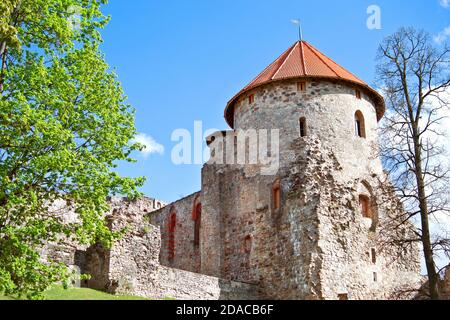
(302, 60)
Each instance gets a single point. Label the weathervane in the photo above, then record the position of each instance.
(300, 33)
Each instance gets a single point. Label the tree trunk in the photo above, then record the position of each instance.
(433, 277)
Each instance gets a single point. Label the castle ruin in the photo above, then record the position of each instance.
(316, 228)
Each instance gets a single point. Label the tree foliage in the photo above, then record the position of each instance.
(64, 125)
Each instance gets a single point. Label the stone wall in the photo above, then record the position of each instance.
(356, 255)
(329, 108)
(133, 260)
(317, 245)
(186, 252)
(132, 265)
(185, 285)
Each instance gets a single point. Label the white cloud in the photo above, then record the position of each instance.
(151, 146)
(444, 3)
(442, 36)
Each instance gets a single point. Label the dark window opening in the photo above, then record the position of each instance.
(171, 240)
(364, 202)
(251, 98)
(360, 130)
(197, 224)
(375, 277)
(358, 94)
(248, 244)
(301, 86)
(374, 255)
(302, 123)
(276, 195)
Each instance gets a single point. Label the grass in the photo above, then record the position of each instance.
(59, 293)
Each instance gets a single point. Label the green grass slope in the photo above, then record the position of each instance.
(59, 293)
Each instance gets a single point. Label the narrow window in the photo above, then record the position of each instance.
(364, 202)
(375, 277)
(358, 94)
(302, 123)
(248, 244)
(171, 235)
(360, 130)
(276, 195)
(251, 98)
(197, 224)
(343, 296)
(301, 86)
(374, 255)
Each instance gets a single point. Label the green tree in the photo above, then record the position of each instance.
(64, 125)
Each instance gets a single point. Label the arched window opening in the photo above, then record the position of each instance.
(276, 195)
(360, 129)
(366, 210)
(248, 244)
(368, 205)
(302, 124)
(171, 232)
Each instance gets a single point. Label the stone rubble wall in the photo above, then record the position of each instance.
(185, 285)
(347, 240)
(132, 265)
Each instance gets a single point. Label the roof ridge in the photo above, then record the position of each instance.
(302, 57)
(312, 64)
(314, 51)
(280, 57)
(284, 62)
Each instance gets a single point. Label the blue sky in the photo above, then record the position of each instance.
(181, 61)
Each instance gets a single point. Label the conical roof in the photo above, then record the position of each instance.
(302, 60)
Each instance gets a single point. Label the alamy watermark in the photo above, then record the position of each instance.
(74, 19)
(256, 147)
(374, 20)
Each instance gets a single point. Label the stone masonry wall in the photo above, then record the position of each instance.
(316, 245)
(132, 265)
(329, 108)
(357, 256)
(186, 253)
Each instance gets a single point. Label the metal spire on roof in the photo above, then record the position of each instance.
(300, 32)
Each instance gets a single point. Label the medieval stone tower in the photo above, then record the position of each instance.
(319, 228)
(319, 225)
